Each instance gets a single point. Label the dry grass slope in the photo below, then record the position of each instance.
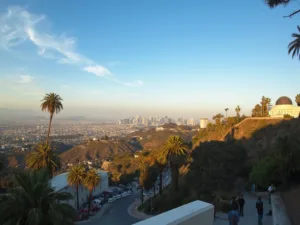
(97, 150)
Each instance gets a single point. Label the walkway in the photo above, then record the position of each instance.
(250, 217)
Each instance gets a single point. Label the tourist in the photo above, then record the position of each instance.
(271, 189)
(253, 188)
(241, 202)
(260, 210)
(233, 215)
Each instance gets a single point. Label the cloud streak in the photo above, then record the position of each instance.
(17, 26)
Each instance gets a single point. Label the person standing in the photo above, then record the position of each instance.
(270, 191)
(260, 210)
(241, 202)
(233, 215)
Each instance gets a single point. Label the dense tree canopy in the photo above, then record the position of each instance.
(34, 202)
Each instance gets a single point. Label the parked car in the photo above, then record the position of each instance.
(112, 199)
(97, 202)
(118, 196)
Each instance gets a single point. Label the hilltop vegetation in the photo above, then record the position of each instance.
(152, 139)
(102, 149)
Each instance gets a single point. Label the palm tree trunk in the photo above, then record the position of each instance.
(160, 183)
(77, 196)
(49, 127)
(142, 195)
(154, 190)
(90, 200)
(174, 177)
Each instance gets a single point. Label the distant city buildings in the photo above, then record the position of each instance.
(156, 121)
(203, 122)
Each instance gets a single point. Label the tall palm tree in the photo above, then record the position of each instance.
(161, 164)
(43, 157)
(91, 180)
(34, 202)
(226, 110)
(294, 46)
(174, 150)
(76, 177)
(51, 103)
(297, 99)
(238, 110)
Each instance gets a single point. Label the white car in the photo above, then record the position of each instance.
(97, 201)
(124, 194)
(112, 199)
(118, 196)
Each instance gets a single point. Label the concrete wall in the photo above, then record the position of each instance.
(193, 213)
(83, 193)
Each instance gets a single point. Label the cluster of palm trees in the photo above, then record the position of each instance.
(32, 200)
(90, 179)
(174, 153)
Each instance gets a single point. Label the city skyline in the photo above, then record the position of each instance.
(155, 58)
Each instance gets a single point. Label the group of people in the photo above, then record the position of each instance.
(237, 210)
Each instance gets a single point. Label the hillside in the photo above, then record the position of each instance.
(153, 139)
(257, 149)
(98, 150)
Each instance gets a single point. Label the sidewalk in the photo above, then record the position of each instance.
(134, 212)
(250, 217)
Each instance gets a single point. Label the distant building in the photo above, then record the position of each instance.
(284, 106)
(203, 123)
(60, 184)
(159, 128)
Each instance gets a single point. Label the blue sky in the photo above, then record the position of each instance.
(150, 57)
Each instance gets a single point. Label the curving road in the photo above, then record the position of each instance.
(115, 213)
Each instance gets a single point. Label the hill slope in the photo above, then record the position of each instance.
(98, 150)
(153, 139)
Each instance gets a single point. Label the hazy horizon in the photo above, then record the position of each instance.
(156, 58)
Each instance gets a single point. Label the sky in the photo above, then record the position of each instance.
(115, 59)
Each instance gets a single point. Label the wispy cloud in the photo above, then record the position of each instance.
(26, 79)
(98, 71)
(22, 84)
(17, 25)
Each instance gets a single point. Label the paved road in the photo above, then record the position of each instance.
(116, 213)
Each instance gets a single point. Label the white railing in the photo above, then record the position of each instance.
(193, 213)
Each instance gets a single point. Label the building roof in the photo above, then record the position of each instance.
(284, 100)
(61, 181)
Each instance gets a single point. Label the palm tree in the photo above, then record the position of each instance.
(34, 202)
(91, 180)
(297, 99)
(238, 110)
(161, 164)
(44, 157)
(51, 103)
(76, 177)
(226, 111)
(294, 46)
(174, 150)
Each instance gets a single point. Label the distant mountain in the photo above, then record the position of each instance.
(19, 115)
(98, 150)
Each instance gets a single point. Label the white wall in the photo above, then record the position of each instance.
(193, 213)
(83, 193)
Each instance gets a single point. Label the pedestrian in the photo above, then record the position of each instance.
(270, 191)
(253, 188)
(233, 215)
(241, 202)
(260, 210)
